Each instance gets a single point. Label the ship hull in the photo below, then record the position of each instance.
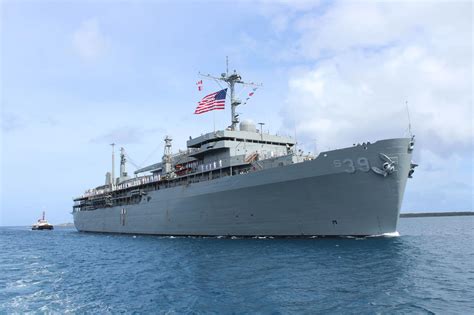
(42, 227)
(336, 194)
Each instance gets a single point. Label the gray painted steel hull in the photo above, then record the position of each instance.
(318, 197)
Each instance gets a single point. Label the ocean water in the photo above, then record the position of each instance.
(428, 269)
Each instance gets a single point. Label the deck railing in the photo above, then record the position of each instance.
(124, 185)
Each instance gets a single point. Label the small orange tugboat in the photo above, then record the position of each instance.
(42, 224)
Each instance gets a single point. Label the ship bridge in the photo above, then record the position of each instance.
(223, 144)
(240, 136)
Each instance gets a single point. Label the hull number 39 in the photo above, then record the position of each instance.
(350, 166)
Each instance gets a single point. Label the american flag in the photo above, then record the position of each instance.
(212, 101)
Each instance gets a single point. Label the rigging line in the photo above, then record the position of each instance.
(243, 89)
(218, 82)
(138, 166)
(151, 154)
(228, 94)
(240, 91)
(248, 97)
(210, 77)
(251, 84)
(131, 160)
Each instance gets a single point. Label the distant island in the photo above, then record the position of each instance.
(436, 214)
(69, 224)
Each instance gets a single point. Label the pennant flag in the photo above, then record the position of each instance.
(250, 95)
(199, 85)
(212, 101)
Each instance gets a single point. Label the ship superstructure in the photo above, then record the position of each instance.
(242, 181)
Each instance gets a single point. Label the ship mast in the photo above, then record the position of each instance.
(123, 160)
(167, 156)
(231, 80)
(113, 166)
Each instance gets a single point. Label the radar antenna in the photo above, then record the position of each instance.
(231, 80)
(227, 65)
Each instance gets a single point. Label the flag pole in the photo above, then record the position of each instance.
(231, 79)
(214, 119)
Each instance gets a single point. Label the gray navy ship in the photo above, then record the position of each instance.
(243, 182)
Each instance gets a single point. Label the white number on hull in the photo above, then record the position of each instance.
(349, 164)
(363, 164)
(350, 167)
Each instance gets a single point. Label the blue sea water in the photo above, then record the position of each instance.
(429, 269)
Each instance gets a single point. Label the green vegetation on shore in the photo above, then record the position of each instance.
(69, 224)
(435, 214)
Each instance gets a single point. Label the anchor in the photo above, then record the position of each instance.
(388, 167)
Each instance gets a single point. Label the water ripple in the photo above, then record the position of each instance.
(428, 269)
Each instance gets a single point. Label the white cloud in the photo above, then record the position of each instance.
(352, 25)
(281, 13)
(356, 97)
(368, 59)
(448, 184)
(126, 135)
(288, 5)
(10, 122)
(89, 41)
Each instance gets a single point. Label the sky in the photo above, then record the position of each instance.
(78, 75)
